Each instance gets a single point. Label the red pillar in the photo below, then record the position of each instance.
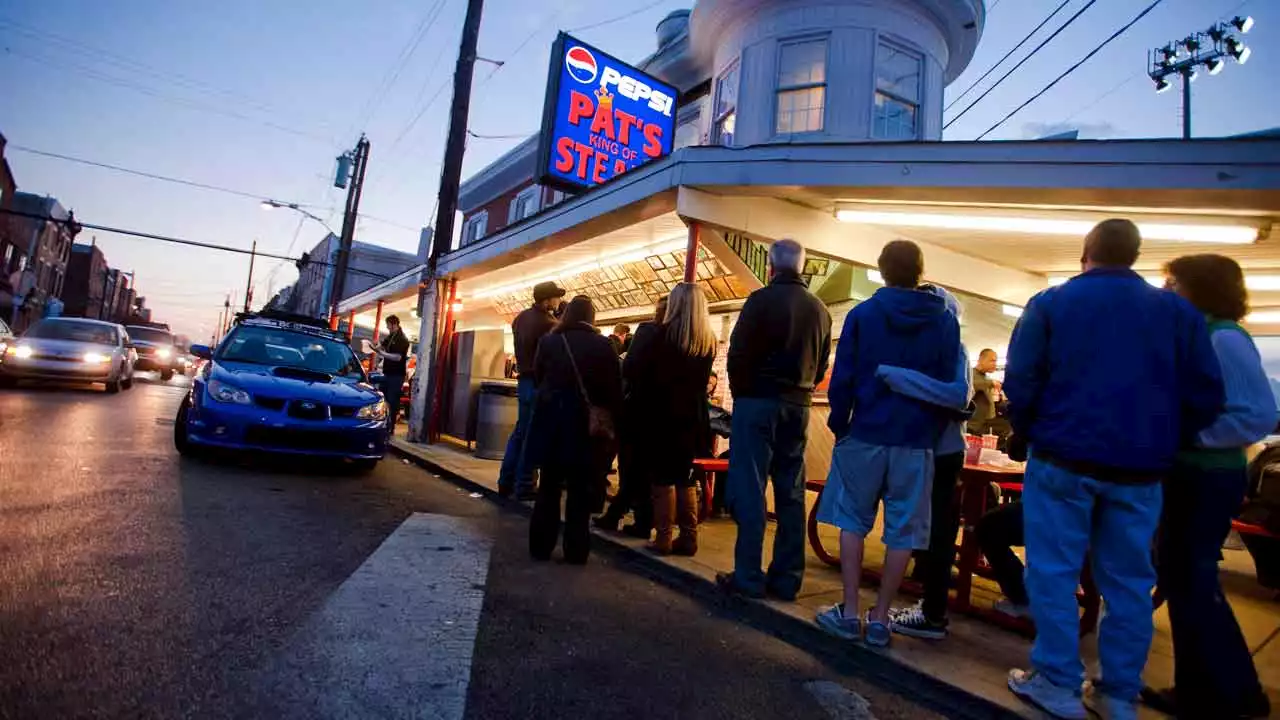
(333, 322)
(691, 254)
(377, 323)
(351, 324)
(446, 338)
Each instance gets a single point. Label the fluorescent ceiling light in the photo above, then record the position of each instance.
(1152, 280)
(1263, 317)
(1262, 282)
(621, 258)
(1224, 234)
(1012, 311)
(875, 276)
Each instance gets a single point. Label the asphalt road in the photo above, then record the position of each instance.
(135, 584)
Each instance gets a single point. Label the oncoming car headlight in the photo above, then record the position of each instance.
(164, 353)
(376, 411)
(223, 392)
(93, 358)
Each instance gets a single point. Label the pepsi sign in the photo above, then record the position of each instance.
(601, 117)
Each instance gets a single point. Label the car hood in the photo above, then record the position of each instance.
(259, 380)
(56, 347)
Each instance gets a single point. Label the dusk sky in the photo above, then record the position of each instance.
(261, 96)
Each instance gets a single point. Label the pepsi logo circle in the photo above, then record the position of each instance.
(581, 65)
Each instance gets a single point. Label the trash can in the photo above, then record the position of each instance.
(496, 412)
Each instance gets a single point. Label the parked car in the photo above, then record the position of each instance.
(156, 351)
(70, 349)
(283, 386)
(6, 337)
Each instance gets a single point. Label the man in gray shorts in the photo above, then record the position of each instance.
(885, 441)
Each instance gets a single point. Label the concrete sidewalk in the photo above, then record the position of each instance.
(970, 666)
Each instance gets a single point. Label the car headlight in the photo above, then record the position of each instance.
(164, 353)
(376, 411)
(93, 358)
(19, 351)
(223, 392)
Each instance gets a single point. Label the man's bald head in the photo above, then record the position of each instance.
(1112, 243)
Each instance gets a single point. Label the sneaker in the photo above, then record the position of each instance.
(1109, 707)
(833, 621)
(912, 622)
(1005, 606)
(878, 633)
(1060, 702)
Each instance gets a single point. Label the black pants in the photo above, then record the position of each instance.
(392, 386)
(999, 531)
(1213, 670)
(937, 561)
(544, 528)
(634, 487)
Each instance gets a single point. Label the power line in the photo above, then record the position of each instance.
(411, 47)
(1073, 68)
(181, 241)
(1000, 62)
(513, 136)
(189, 183)
(1021, 62)
(620, 18)
(159, 95)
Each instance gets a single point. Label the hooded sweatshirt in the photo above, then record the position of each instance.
(908, 329)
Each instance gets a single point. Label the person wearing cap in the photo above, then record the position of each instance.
(529, 327)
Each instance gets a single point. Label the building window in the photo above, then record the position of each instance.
(557, 197)
(476, 227)
(802, 86)
(524, 204)
(726, 106)
(688, 126)
(897, 111)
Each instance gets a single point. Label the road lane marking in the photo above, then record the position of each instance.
(395, 640)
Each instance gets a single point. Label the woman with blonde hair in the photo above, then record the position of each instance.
(669, 370)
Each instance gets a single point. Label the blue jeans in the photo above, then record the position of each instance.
(516, 475)
(769, 438)
(1066, 517)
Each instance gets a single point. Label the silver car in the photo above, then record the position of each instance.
(70, 350)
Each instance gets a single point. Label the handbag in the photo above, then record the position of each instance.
(599, 420)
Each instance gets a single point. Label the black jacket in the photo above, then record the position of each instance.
(559, 436)
(781, 344)
(667, 417)
(528, 328)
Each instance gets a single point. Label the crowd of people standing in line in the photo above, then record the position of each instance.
(1152, 438)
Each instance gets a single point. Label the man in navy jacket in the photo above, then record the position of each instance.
(1107, 377)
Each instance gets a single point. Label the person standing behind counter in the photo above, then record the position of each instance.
(985, 392)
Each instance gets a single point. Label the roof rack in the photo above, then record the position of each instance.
(291, 321)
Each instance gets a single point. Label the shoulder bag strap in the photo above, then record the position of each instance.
(582, 389)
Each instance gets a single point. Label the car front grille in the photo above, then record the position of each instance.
(293, 439)
(307, 410)
(269, 403)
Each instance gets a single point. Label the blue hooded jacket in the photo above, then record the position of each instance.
(905, 328)
(1109, 373)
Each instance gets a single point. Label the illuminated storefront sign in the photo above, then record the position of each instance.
(601, 118)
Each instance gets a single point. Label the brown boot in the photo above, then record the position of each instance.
(664, 510)
(687, 519)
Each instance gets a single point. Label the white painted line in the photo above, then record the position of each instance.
(395, 640)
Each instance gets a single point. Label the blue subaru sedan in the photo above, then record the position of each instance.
(287, 387)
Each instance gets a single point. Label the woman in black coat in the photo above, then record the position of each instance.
(634, 491)
(569, 457)
(669, 369)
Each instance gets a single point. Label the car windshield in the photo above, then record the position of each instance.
(150, 335)
(85, 332)
(276, 346)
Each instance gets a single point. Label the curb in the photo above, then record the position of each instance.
(942, 697)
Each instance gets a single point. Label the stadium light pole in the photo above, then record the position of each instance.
(1209, 50)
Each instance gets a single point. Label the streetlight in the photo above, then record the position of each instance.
(273, 204)
(1209, 49)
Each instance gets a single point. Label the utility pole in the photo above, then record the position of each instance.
(424, 398)
(226, 316)
(360, 160)
(248, 288)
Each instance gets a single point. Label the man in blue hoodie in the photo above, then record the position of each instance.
(1102, 435)
(885, 440)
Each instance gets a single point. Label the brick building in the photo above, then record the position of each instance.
(88, 283)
